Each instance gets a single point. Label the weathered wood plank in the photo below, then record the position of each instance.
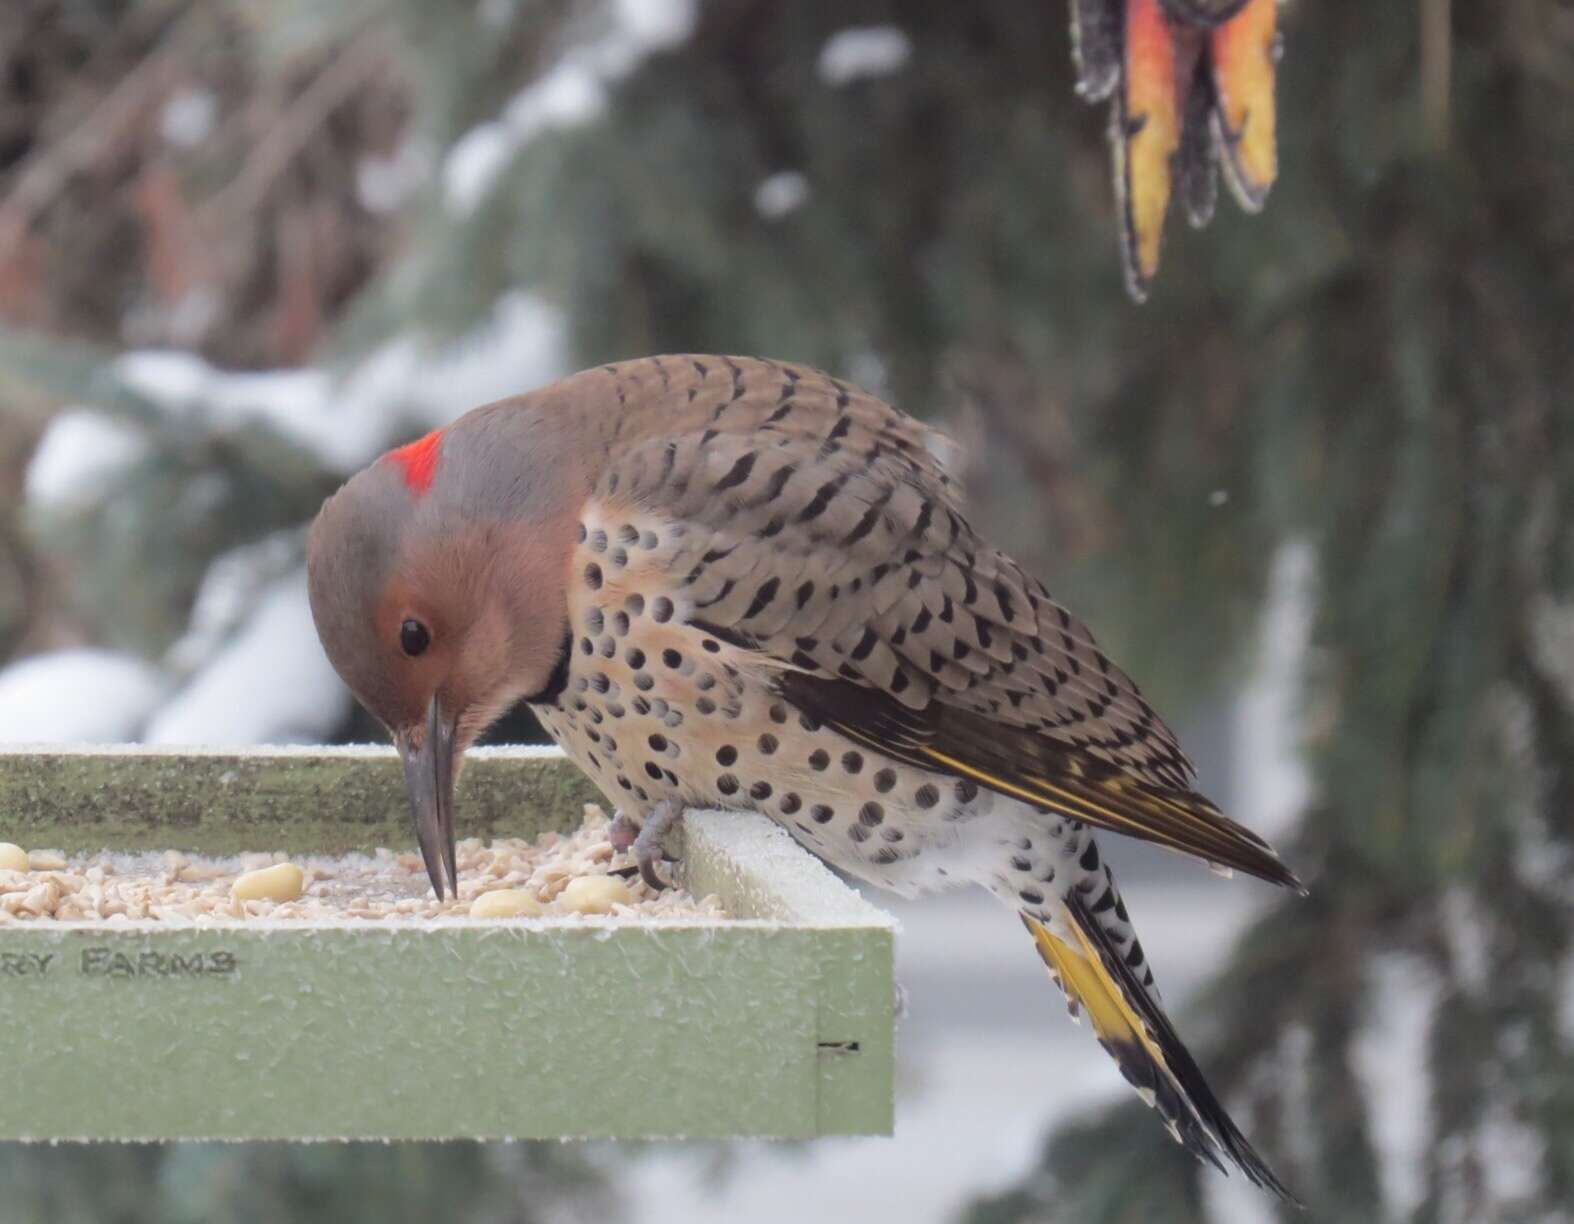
(230, 800)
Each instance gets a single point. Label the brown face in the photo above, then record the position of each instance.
(437, 623)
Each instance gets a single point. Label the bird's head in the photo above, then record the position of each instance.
(436, 586)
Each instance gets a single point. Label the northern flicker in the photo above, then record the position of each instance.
(1191, 84)
(743, 584)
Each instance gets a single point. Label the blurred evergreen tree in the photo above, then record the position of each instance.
(1379, 367)
(408, 1183)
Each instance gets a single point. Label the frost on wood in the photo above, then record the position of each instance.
(217, 801)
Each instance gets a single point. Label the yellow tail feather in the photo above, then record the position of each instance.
(1081, 977)
(1139, 1037)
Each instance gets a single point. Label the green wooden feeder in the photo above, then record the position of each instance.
(775, 1022)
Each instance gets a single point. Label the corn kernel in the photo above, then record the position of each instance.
(12, 858)
(281, 882)
(505, 903)
(595, 894)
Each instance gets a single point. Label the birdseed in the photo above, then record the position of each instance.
(385, 886)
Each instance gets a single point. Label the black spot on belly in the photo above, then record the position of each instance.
(635, 657)
(871, 814)
(885, 856)
(635, 605)
(672, 658)
(705, 705)
(653, 770)
(768, 743)
(966, 790)
(858, 832)
(593, 576)
(727, 784)
(789, 803)
(658, 742)
(661, 609)
(778, 713)
(926, 796)
(852, 762)
(760, 790)
(726, 754)
(821, 813)
(819, 760)
(884, 780)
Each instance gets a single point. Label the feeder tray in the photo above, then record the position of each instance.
(776, 1021)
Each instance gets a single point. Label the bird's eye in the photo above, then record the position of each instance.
(414, 638)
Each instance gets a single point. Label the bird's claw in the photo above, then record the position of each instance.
(648, 844)
(623, 832)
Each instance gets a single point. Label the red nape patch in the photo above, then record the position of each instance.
(419, 461)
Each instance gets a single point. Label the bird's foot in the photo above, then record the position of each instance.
(623, 832)
(648, 844)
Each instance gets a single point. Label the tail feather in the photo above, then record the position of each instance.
(1133, 1028)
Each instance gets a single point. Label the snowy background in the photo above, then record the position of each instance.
(246, 248)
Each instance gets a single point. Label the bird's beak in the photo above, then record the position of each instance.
(429, 777)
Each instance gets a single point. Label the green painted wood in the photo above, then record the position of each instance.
(411, 1033)
(230, 800)
(777, 1022)
(758, 870)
